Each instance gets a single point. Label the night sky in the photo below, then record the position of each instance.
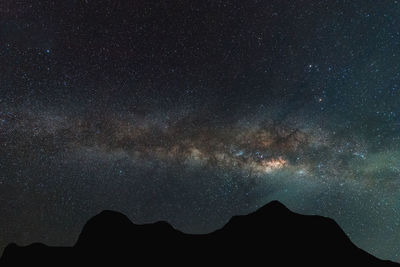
(194, 111)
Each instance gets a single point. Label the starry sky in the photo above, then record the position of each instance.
(195, 111)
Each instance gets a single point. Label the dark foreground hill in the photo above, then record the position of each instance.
(271, 236)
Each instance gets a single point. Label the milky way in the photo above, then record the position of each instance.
(195, 112)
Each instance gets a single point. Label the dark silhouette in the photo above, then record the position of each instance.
(271, 236)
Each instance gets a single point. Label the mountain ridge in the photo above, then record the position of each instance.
(272, 234)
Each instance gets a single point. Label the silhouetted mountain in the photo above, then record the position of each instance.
(271, 236)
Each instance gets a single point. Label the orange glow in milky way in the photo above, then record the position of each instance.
(261, 150)
(272, 164)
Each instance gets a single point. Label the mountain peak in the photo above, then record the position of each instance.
(110, 214)
(273, 206)
(104, 228)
